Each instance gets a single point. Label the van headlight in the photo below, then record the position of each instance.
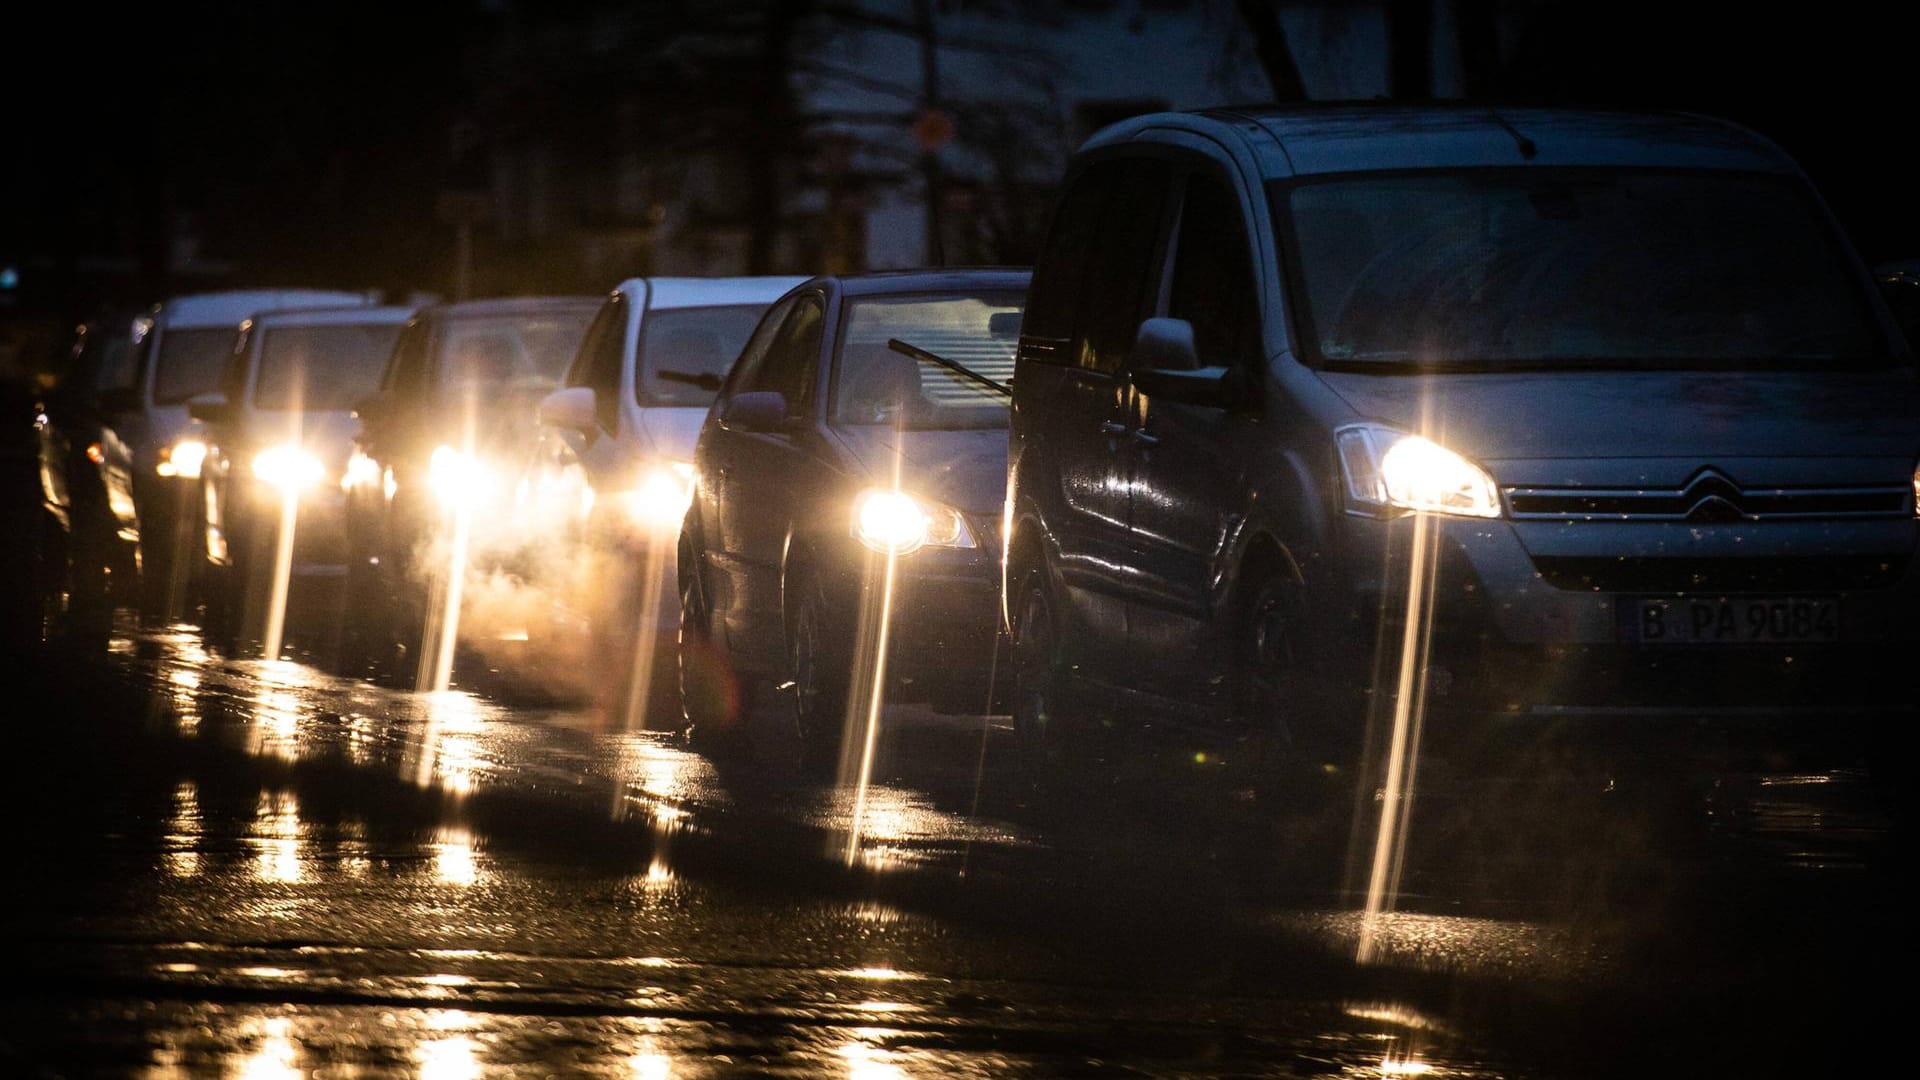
(458, 479)
(288, 468)
(183, 459)
(661, 498)
(1386, 469)
(896, 523)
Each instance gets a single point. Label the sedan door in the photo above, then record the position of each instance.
(759, 475)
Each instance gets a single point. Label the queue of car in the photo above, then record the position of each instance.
(1307, 417)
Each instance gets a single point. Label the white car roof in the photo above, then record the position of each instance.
(684, 292)
(231, 308)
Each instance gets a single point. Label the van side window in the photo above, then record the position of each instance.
(1213, 285)
(1054, 295)
(1115, 289)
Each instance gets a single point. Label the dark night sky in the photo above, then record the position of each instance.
(311, 137)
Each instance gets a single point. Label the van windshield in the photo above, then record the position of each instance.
(1547, 268)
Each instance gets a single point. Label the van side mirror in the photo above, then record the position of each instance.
(1165, 364)
(210, 408)
(762, 411)
(1900, 285)
(572, 409)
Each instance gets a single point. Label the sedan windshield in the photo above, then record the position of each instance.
(317, 368)
(191, 362)
(519, 352)
(685, 352)
(1558, 267)
(875, 383)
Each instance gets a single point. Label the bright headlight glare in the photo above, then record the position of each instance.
(661, 498)
(182, 459)
(1389, 469)
(362, 471)
(458, 478)
(895, 522)
(1916, 491)
(288, 468)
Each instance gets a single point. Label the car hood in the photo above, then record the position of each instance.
(966, 470)
(1697, 417)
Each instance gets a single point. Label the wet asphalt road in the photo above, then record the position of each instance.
(230, 867)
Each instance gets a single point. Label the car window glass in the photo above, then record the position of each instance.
(684, 353)
(601, 355)
(113, 356)
(517, 352)
(1057, 274)
(1212, 285)
(793, 358)
(190, 362)
(324, 368)
(406, 369)
(755, 353)
(1114, 282)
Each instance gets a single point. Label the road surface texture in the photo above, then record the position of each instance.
(241, 868)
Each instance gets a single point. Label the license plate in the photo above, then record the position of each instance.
(1732, 620)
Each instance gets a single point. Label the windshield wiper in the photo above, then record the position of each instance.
(965, 372)
(705, 380)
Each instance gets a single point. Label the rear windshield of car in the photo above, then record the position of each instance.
(190, 362)
(685, 352)
(1546, 268)
(874, 383)
(321, 368)
(527, 351)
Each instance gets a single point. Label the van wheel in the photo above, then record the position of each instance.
(819, 667)
(1037, 676)
(1286, 722)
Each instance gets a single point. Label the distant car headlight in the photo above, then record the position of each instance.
(288, 468)
(1387, 469)
(894, 522)
(1916, 491)
(183, 459)
(661, 498)
(362, 471)
(458, 479)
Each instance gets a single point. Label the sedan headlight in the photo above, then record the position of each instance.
(458, 479)
(183, 459)
(661, 498)
(362, 472)
(894, 522)
(288, 468)
(1387, 469)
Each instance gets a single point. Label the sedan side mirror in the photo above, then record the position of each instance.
(573, 409)
(760, 411)
(210, 408)
(1165, 365)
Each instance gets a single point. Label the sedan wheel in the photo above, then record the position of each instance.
(820, 674)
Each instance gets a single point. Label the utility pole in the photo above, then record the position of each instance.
(933, 128)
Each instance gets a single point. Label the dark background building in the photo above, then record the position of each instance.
(489, 146)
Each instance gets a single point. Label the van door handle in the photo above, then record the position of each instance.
(1113, 428)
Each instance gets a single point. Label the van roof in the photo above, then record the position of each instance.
(230, 308)
(1306, 140)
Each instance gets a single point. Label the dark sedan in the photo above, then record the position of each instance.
(844, 532)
